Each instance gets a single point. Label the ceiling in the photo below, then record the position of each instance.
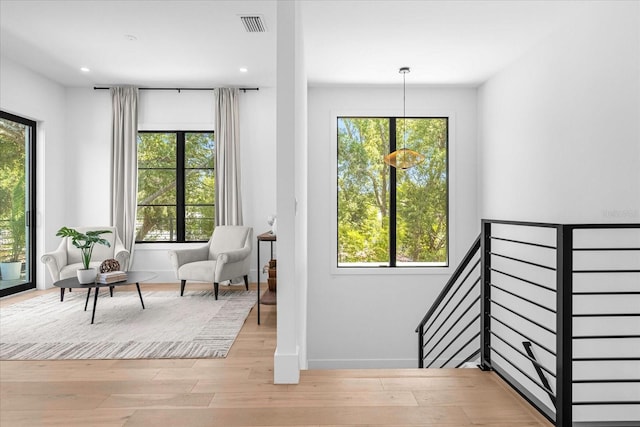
(185, 43)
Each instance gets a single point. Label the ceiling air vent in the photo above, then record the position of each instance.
(253, 24)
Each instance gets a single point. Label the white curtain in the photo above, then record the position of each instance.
(227, 128)
(124, 175)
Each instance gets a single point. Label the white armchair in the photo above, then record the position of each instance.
(225, 257)
(67, 259)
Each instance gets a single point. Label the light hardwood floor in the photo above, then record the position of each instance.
(239, 391)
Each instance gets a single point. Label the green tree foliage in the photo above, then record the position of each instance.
(13, 138)
(157, 181)
(363, 191)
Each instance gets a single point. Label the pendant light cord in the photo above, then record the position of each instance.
(404, 110)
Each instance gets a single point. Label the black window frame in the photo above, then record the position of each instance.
(393, 145)
(30, 215)
(180, 185)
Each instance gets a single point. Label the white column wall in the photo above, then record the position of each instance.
(291, 196)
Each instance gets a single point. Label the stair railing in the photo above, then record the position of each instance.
(466, 274)
(570, 294)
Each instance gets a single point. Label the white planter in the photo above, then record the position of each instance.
(87, 276)
(10, 270)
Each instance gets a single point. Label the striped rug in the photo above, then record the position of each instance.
(192, 326)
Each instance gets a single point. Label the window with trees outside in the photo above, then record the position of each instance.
(386, 216)
(176, 186)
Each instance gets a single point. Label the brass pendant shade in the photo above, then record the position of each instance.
(404, 158)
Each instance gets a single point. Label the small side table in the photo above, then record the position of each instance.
(264, 237)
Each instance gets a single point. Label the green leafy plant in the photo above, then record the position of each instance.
(84, 241)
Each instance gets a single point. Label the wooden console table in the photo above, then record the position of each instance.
(268, 299)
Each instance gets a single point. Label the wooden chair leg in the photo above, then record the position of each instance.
(215, 290)
(182, 283)
(246, 282)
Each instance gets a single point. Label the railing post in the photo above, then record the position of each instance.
(421, 346)
(485, 296)
(564, 329)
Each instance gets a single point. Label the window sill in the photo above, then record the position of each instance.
(391, 271)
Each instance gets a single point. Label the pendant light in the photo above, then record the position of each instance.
(404, 158)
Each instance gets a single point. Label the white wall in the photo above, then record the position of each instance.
(89, 130)
(559, 129)
(28, 94)
(367, 320)
(560, 142)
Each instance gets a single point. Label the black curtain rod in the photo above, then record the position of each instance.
(179, 89)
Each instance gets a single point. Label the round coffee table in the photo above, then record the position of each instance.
(133, 277)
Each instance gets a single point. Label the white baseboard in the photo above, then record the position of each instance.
(286, 368)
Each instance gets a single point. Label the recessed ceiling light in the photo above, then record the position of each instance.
(243, 69)
(84, 69)
(130, 37)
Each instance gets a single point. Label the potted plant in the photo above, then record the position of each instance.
(85, 242)
(11, 265)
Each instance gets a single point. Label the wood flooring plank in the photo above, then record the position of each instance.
(34, 388)
(374, 416)
(336, 384)
(79, 374)
(66, 418)
(294, 399)
(432, 383)
(249, 386)
(218, 373)
(160, 401)
(23, 402)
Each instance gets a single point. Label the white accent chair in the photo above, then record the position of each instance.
(66, 260)
(225, 257)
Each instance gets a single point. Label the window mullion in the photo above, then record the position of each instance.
(392, 196)
(180, 184)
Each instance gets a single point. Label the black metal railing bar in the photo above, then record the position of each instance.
(539, 368)
(458, 335)
(523, 280)
(531, 359)
(461, 348)
(460, 317)
(454, 277)
(453, 311)
(522, 242)
(516, 367)
(453, 294)
(540, 325)
(524, 261)
(445, 304)
(542, 346)
(520, 297)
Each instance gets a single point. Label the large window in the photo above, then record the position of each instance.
(17, 203)
(176, 186)
(387, 216)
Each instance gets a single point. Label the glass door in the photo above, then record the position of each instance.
(17, 203)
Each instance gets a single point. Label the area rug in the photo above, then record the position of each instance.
(170, 326)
